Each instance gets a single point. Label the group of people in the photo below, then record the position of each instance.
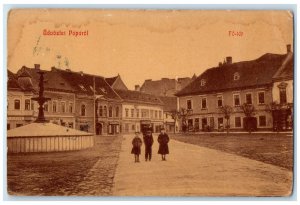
(163, 140)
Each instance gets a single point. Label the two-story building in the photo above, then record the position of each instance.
(282, 92)
(19, 109)
(97, 105)
(61, 108)
(232, 84)
(140, 111)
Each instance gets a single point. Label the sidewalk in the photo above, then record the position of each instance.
(192, 170)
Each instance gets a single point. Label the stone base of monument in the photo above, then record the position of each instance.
(47, 137)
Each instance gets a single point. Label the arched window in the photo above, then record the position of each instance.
(117, 111)
(17, 105)
(83, 110)
(110, 111)
(203, 82)
(101, 111)
(104, 111)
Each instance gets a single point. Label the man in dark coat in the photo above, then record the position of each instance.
(163, 140)
(148, 141)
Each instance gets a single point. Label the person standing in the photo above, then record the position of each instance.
(136, 147)
(163, 140)
(148, 141)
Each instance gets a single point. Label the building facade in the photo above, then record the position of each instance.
(140, 111)
(231, 84)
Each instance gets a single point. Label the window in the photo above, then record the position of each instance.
(104, 111)
(17, 105)
(138, 113)
(145, 113)
(63, 107)
(236, 76)
(151, 113)
(101, 111)
(132, 112)
(155, 114)
(83, 110)
(32, 105)
(189, 104)
(282, 95)
(70, 107)
(117, 111)
(8, 126)
(203, 103)
(219, 101)
(27, 104)
(46, 107)
(110, 111)
(236, 100)
(262, 121)
(159, 115)
(261, 97)
(132, 127)
(202, 82)
(126, 112)
(249, 98)
(54, 106)
(237, 122)
(82, 87)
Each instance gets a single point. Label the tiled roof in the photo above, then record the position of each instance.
(84, 83)
(251, 74)
(12, 82)
(139, 97)
(52, 80)
(111, 80)
(286, 71)
(159, 87)
(170, 103)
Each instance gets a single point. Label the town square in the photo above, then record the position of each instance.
(153, 110)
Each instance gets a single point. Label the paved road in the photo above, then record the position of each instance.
(192, 170)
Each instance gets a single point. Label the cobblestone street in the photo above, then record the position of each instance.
(192, 170)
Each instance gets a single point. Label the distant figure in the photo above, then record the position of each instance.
(148, 141)
(163, 140)
(136, 147)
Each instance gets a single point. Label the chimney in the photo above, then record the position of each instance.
(288, 48)
(53, 68)
(137, 88)
(228, 60)
(37, 66)
(220, 64)
(148, 80)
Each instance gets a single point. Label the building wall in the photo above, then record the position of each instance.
(84, 121)
(212, 112)
(132, 122)
(289, 91)
(61, 116)
(18, 117)
(108, 123)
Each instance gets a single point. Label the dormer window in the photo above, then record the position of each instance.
(236, 76)
(103, 90)
(82, 87)
(203, 82)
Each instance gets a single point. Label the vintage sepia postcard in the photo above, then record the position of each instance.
(153, 103)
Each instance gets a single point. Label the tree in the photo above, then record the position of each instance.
(226, 110)
(250, 120)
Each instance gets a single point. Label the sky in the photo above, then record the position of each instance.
(143, 44)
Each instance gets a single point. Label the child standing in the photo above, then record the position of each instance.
(136, 147)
